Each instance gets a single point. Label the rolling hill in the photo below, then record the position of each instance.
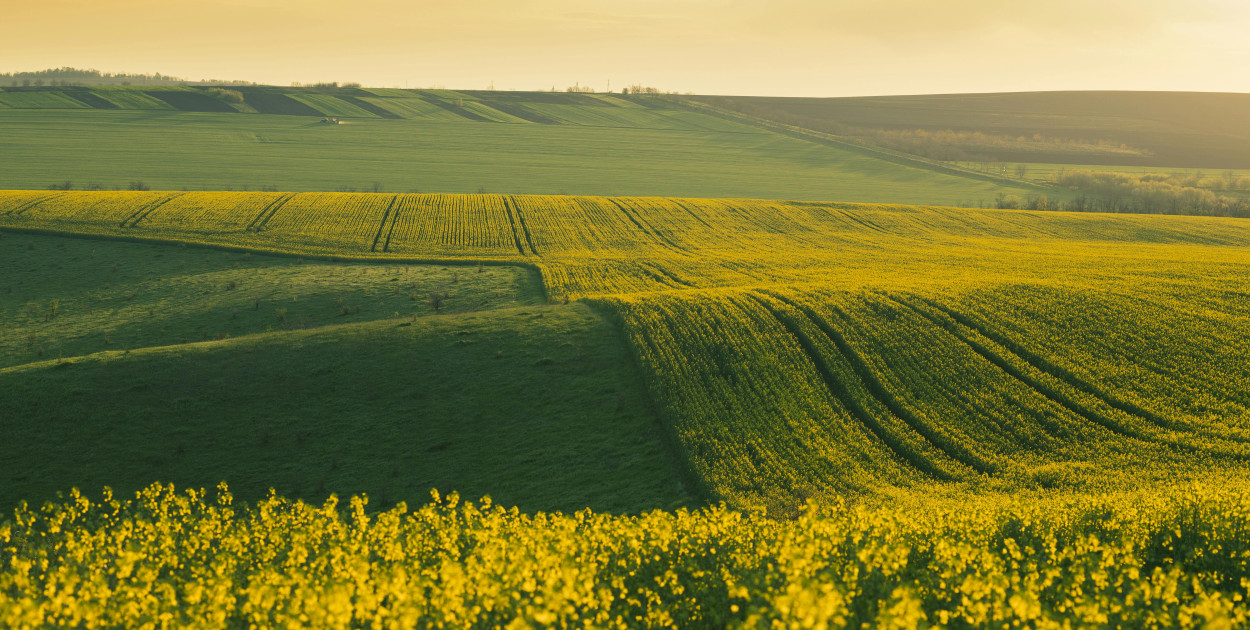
(1166, 129)
(795, 347)
(437, 140)
(913, 415)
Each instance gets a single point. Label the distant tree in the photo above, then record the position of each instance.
(138, 186)
(436, 299)
(1021, 171)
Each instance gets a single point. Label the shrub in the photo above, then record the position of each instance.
(229, 96)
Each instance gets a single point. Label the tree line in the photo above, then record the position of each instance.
(68, 76)
(1148, 193)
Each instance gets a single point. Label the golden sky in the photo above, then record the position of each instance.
(768, 47)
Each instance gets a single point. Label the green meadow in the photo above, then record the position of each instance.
(532, 142)
(125, 363)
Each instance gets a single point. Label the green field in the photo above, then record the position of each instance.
(1167, 129)
(794, 347)
(912, 414)
(145, 362)
(404, 141)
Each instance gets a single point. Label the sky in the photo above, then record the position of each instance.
(744, 47)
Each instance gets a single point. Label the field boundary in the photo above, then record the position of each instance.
(291, 253)
(700, 491)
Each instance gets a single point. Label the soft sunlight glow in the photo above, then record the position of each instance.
(777, 47)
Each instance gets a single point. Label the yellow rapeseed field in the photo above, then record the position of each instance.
(800, 353)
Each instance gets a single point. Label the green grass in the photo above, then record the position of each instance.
(63, 297)
(600, 148)
(536, 405)
(39, 100)
(127, 98)
(331, 106)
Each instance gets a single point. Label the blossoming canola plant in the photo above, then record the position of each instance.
(803, 350)
(191, 559)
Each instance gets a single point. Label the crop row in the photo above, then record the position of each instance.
(805, 347)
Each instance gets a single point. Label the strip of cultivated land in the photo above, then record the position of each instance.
(1163, 129)
(798, 348)
(437, 140)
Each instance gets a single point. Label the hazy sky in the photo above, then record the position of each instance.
(781, 47)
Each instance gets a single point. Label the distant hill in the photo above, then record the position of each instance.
(67, 76)
(1166, 129)
(173, 137)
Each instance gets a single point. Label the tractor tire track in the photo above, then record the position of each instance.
(657, 271)
(386, 247)
(516, 236)
(513, 208)
(382, 226)
(865, 222)
(900, 449)
(267, 213)
(1042, 365)
(943, 443)
(1059, 398)
(28, 205)
(143, 212)
(647, 229)
(1047, 391)
(692, 214)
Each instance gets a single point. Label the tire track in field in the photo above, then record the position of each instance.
(664, 276)
(1046, 391)
(865, 222)
(1042, 365)
(647, 229)
(386, 247)
(382, 226)
(951, 325)
(263, 217)
(525, 228)
(516, 236)
(29, 204)
(692, 214)
(840, 392)
(143, 212)
(877, 389)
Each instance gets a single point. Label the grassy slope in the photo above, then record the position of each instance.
(647, 152)
(535, 405)
(1182, 130)
(65, 297)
